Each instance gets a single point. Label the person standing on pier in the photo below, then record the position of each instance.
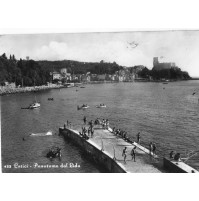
(89, 131)
(107, 124)
(150, 147)
(154, 149)
(138, 138)
(85, 119)
(92, 132)
(133, 153)
(124, 154)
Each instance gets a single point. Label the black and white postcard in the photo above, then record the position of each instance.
(100, 102)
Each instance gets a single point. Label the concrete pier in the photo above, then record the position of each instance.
(106, 149)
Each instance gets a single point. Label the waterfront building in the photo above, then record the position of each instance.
(63, 74)
(101, 77)
(108, 77)
(56, 76)
(86, 77)
(93, 77)
(9, 85)
(121, 78)
(63, 71)
(114, 77)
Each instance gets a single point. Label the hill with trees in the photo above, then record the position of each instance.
(26, 72)
(81, 67)
(30, 72)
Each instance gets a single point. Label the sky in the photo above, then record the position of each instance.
(125, 48)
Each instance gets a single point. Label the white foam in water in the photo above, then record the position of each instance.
(49, 133)
(41, 134)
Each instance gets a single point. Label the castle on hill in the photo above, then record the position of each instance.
(161, 66)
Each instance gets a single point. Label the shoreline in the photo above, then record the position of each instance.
(6, 90)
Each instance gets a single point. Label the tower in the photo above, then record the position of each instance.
(155, 61)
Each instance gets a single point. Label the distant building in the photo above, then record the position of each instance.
(108, 77)
(63, 74)
(85, 78)
(63, 71)
(101, 77)
(10, 85)
(56, 76)
(114, 77)
(161, 66)
(94, 77)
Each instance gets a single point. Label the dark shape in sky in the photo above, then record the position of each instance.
(132, 44)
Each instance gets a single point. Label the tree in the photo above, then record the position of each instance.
(4, 56)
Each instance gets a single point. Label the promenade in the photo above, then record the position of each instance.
(7, 90)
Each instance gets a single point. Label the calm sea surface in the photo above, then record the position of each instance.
(167, 114)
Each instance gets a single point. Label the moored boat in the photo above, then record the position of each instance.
(101, 106)
(82, 107)
(34, 105)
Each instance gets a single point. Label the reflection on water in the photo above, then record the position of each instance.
(167, 115)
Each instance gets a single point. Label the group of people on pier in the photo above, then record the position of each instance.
(152, 148)
(89, 132)
(86, 133)
(122, 134)
(124, 153)
(104, 123)
(175, 156)
(68, 124)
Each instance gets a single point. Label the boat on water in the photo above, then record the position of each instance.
(54, 152)
(100, 106)
(82, 87)
(85, 107)
(34, 105)
(82, 107)
(50, 99)
(69, 85)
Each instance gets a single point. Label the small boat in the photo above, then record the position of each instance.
(165, 83)
(35, 105)
(54, 152)
(82, 87)
(101, 106)
(50, 99)
(85, 107)
(82, 107)
(69, 85)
